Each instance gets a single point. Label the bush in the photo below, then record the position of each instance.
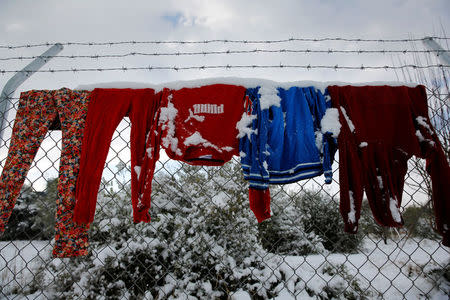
(203, 242)
(33, 216)
(418, 221)
(321, 215)
(284, 233)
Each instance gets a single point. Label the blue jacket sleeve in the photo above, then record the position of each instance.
(329, 143)
(254, 146)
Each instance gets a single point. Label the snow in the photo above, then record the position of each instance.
(19, 261)
(150, 152)
(351, 214)
(197, 139)
(220, 199)
(422, 139)
(244, 126)
(349, 122)
(268, 96)
(137, 169)
(370, 267)
(380, 182)
(240, 295)
(241, 81)
(167, 120)
(363, 144)
(423, 122)
(396, 270)
(420, 136)
(105, 225)
(330, 122)
(228, 149)
(319, 140)
(394, 210)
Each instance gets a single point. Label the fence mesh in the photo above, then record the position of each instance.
(203, 241)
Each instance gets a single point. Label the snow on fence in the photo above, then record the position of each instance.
(203, 241)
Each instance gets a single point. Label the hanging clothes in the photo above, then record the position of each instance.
(283, 141)
(196, 126)
(37, 111)
(107, 108)
(382, 127)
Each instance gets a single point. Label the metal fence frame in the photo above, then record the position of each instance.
(438, 102)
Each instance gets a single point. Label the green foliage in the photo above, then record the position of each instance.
(418, 220)
(284, 232)
(352, 290)
(369, 226)
(203, 240)
(33, 216)
(44, 221)
(418, 223)
(21, 219)
(321, 216)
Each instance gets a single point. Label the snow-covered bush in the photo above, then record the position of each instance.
(203, 242)
(33, 216)
(44, 221)
(419, 220)
(284, 232)
(20, 222)
(321, 216)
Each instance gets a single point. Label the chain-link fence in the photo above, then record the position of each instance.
(204, 242)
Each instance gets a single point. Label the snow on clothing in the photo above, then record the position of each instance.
(37, 111)
(284, 142)
(106, 110)
(382, 127)
(196, 126)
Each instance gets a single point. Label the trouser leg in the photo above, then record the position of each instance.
(70, 239)
(34, 116)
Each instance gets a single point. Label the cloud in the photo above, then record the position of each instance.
(14, 27)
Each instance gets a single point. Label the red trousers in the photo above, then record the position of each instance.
(382, 127)
(106, 110)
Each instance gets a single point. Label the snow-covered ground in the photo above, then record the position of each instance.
(393, 271)
(20, 262)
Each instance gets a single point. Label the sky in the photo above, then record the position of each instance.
(27, 22)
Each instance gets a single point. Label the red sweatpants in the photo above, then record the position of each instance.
(382, 127)
(106, 110)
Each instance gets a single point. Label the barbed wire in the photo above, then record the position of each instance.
(203, 53)
(204, 67)
(226, 41)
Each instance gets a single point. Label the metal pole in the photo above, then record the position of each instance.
(18, 78)
(431, 44)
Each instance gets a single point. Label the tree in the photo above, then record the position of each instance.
(44, 220)
(33, 216)
(20, 224)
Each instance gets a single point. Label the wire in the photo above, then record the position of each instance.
(227, 41)
(306, 51)
(204, 67)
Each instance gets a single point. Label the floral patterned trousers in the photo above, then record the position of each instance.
(36, 113)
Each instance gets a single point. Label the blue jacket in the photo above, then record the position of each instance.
(282, 147)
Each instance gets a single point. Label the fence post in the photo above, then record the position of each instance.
(439, 51)
(18, 78)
